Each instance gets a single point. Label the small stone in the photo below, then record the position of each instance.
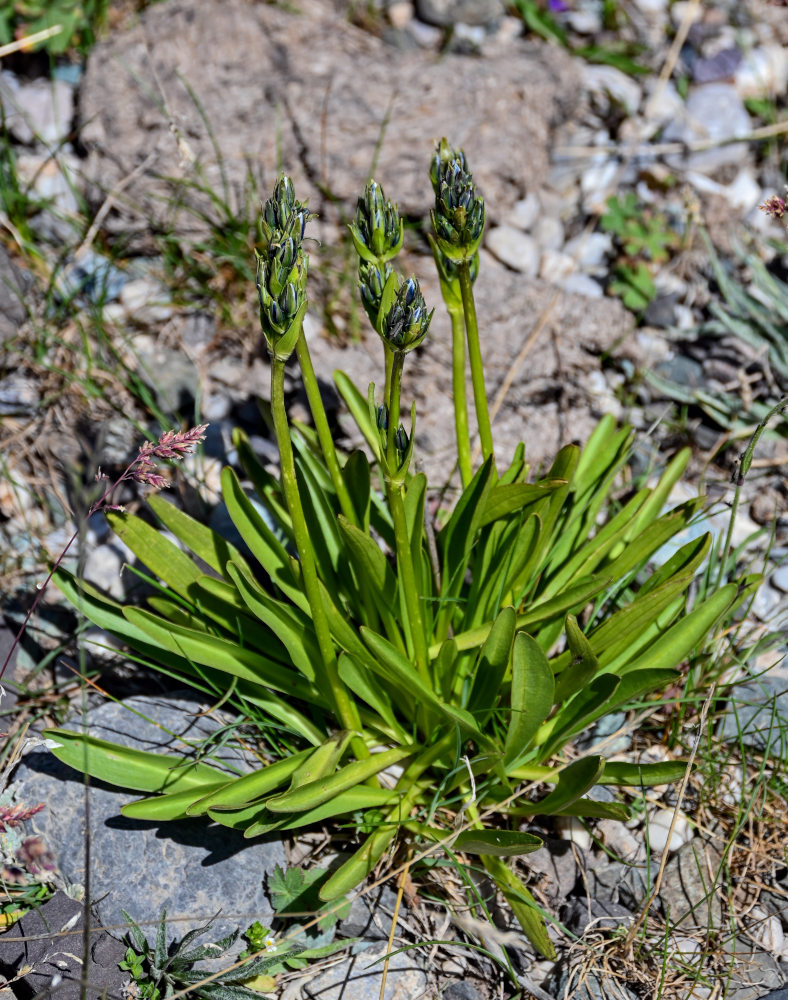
(445, 13)
(659, 827)
(515, 249)
(400, 13)
(582, 284)
(53, 179)
(651, 7)
(555, 266)
(525, 212)
(720, 66)
(584, 22)
(779, 578)
(360, 976)
(680, 10)
(38, 111)
(18, 395)
(623, 90)
(762, 71)
(571, 828)
(103, 568)
(549, 233)
(461, 991)
(597, 183)
(590, 250)
(687, 947)
(767, 931)
(624, 843)
(714, 112)
(765, 602)
(146, 301)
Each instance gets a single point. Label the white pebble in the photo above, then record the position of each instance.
(549, 233)
(556, 266)
(767, 931)
(590, 250)
(400, 13)
(582, 284)
(570, 828)
(659, 827)
(515, 249)
(762, 71)
(525, 212)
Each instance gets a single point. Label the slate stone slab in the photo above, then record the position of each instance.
(193, 867)
(360, 976)
(49, 941)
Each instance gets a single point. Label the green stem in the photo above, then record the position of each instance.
(406, 571)
(460, 396)
(475, 356)
(388, 359)
(345, 708)
(323, 430)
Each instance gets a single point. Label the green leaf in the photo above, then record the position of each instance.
(315, 793)
(173, 805)
(523, 905)
(574, 780)
(158, 553)
(515, 498)
(371, 564)
(584, 665)
(358, 679)
(250, 787)
(257, 821)
(359, 410)
(203, 542)
(590, 809)
(322, 761)
(356, 474)
(497, 843)
(643, 775)
(491, 667)
(134, 769)
(531, 698)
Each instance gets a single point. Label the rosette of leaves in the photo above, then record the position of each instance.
(450, 666)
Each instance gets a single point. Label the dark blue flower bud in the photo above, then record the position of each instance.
(377, 230)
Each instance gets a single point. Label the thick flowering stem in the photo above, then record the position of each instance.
(323, 430)
(460, 397)
(475, 356)
(345, 708)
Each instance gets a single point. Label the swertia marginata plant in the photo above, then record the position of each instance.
(424, 681)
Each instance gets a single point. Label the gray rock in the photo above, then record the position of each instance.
(688, 890)
(360, 976)
(461, 990)
(590, 250)
(757, 711)
(596, 914)
(514, 248)
(682, 370)
(326, 112)
(15, 285)
(48, 941)
(556, 865)
(753, 973)
(103, 568)
(451, 12)
(192, 867)
(582, 284)
(173, 376)
(621, 883)
(40, 110)
(18, 395)
(370, 915)
(90, 278)
(549, 232)
(779, 578)
(525, 212)
(713, 112)
(585, 986)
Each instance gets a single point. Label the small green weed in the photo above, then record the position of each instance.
(644, 237)
(80, 21)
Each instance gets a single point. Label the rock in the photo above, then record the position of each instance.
(753, 972)
(52, 179)
(15, 284)
(624, 843)
(400, 14)
(445, 13)
(583, 985)
(369, 915)
(146, 302)
(582, 284)
(48, 942)
(514, 248)
(18, 395)
(172, 375)
(757, 709)
(688, 891)
(525, 212)
(762, 71)
(720, 66)
(598, 182)
(572, 829)
(659, 825)
(556, 865)
(555, 266)
(326, 113)
(41, 110)
(620, 88)
(682, 370)
(549, 233)
(714, 112)
(103, 568)
(360, 976)
(661, 311)
(192, 867)
(591, 251)
(92, 278)
(461, 990)
(596, 914)
(584, 22)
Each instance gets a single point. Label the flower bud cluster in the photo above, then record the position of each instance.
(407, 321)
(402, 442)
(378, 230)
(459, 214)
(282, 269)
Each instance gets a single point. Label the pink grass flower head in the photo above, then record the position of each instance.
(776, 206)
(172, 445)
(11, 816)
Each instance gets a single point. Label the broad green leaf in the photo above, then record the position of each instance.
(588, 704)
(291, 627)
(491, 667)
(315, 793)
(127, 768)
(321, 762)
(531, 697)
(497, 843)
(523, 905)
(162, 556)
(263, 544)
(503, 500)
(257, 821)
(583, 667)
(643, 775)
(574, 780)
(358, 679)
(321, 521)
(205, 543)
(250, 787)
(224, 655)
(370, 563)
(392, 665)
(173, 805)
(356, 474)
(359, 865)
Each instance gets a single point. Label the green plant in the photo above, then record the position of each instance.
(643, 236)
(160, 972)
(428, 674)
(80, 22)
